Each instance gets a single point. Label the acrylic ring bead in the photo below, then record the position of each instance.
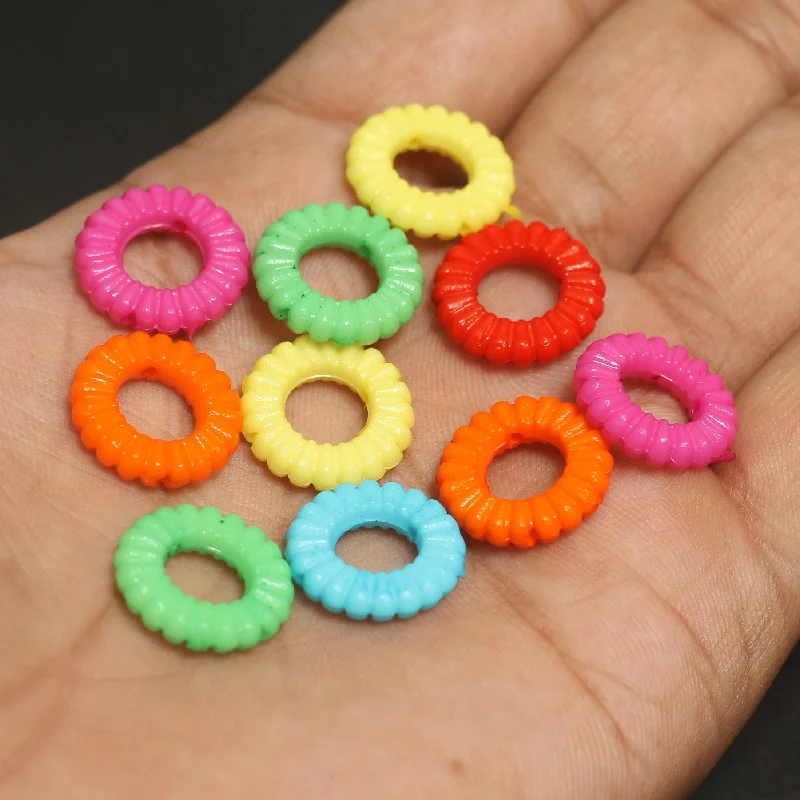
(184, 620)
(376, 182)
(340, 587)
(375, 450)
(364, 321)
(501, 340)
(101, 273)
(136, 456)
(465, 493)
(709, 436)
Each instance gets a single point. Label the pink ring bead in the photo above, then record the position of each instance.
(128, 302)
(708, 438)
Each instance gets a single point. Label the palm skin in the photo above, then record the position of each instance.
(618, 662)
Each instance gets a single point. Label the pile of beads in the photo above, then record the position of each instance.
(334, 345)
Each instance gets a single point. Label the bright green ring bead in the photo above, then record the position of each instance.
(198, 624)
(280, 284)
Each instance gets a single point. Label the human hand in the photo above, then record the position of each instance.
(618, 662)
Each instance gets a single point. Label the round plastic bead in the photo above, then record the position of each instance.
(465, 493)
(136, 456)
(364, 321)
(340, 587)
(182, 619)
(107, 232)
(375, 450)
(501, 340)
(371, 172)
(709, 436)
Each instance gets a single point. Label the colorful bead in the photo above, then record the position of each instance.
(465, 493)
(371, 172)
(364, 321)
(708, 438)
(501, 340)
(340, 587)
(104, 429)
(375, 450)
(200, 625)
(128, 302)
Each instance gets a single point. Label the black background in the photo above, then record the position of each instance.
(92, 89)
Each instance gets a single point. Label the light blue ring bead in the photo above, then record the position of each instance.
(340, 587)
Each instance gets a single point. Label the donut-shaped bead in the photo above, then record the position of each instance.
(363, 321)
(375, 450)
(709, 436)
(465, 493)
(376, 182)
(501, 340)
(136, 456)
(182, 619)
(340, 587)
(107, 232)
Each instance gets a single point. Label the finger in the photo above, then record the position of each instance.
(763, 480)
(641, 109)
(725, 268)
(284, 145)
(471, 56)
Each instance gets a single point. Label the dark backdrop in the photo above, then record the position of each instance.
(92, 89)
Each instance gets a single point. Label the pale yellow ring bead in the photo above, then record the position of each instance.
(371, 172)
(375, 450)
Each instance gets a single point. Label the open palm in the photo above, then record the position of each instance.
(615, 663)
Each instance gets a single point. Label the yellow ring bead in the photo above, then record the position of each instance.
(371, 172)
(375, 450)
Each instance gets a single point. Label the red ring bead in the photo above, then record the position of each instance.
(502, 340)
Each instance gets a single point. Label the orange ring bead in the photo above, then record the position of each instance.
(104, 429)
(464, 492)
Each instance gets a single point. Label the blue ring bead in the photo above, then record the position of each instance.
(340, 587)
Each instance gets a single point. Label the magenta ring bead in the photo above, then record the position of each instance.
(709, 436)
(128, 302)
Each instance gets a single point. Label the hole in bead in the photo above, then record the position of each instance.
(517, 291)
(525, 471)
(338, 273)
(658, 401)
(376, 549)
(205, 577)
(156, 410)
(433, 172)
(163, 259)
(325, 411)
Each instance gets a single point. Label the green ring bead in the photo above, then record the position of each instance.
(181, 619)
(305, 310)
